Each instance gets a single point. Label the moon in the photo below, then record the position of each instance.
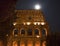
(37, 7)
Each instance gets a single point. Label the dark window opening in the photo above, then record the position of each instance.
(22, 31)
(43, 32)
(36, 32)
(15, 32)
(29, 31)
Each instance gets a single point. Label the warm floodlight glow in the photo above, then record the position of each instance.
(44, 43)
(37, 36)
(42, 23)
(38, 23)
(28, 23)
(15, 43)
(14, 23)
(22, 43)
(37, 7)
(35, 23)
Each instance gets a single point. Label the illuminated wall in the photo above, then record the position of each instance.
(30, 29)
(15, 43)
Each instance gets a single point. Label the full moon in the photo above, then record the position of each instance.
(37, 7)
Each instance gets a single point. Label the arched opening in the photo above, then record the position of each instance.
(44, 43)
(29, 32)
(15, 32)
(43, 32)
(15, 43)
(37, 43)
(22, 43)
(22, 32)
(29, 43)
(36, 32)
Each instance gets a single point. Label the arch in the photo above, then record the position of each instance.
(44, 43)
(30, 43)
(22, 31)
(36, 31)
(22, 43)
(29, 32)
(15, 43)
(44, 32)
(15, 32)
(37, 43)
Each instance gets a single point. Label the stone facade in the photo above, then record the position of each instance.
(31, 29)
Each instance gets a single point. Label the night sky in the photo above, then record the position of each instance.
(51, 9)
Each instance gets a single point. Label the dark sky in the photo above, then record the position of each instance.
(51, 9)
